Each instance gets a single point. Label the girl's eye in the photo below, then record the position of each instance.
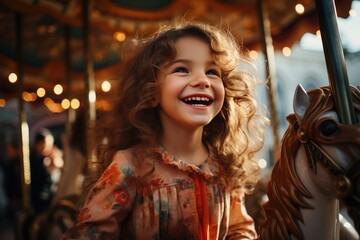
(180, 70)
(213, 72)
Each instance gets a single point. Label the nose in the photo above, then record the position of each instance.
(200, 80)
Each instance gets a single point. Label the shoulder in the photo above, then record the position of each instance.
(119, 169)
(124, 155)
(132, 160)
(124, 158)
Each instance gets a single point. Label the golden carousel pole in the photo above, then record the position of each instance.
(335, 60)
(269, 55)
(24, 142)
(340, 88)
(90, 89)
(23, 126)
(67, 60)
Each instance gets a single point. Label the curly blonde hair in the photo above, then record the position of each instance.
(235, 134)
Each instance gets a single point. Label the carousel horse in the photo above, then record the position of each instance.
(318, 169)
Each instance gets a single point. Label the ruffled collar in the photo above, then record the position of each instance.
(209, 169)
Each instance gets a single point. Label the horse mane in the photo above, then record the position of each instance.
(287, 194)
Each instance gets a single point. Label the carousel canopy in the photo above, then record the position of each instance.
(46, 24)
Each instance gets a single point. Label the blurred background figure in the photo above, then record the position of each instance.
(12, 178)
(46, 162)
(10, 188)
(75, 163)
(68, 199)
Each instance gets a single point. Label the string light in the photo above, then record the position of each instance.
(29, 97)
(92, 96)
(33, 96)
(286, 51)
(262, 163)
(253, 54)
(65, 103)
(12, 77)
(2, 102)
(299, 8)
(41, 92)
(58, 89)
(119, 36)
(53, 106)
(106, 86)
(75, 103)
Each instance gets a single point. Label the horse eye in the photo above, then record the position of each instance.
(329, 128)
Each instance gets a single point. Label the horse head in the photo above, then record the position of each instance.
(330, 145)
(319, 165)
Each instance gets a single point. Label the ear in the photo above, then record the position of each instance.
(154, 103)
(301, 102)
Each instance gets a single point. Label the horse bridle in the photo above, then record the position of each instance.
(345, 181)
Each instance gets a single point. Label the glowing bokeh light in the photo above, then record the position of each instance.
(65, 103)
(92, 96)
(12, 78)
(119, 36)
(58, 89)
(2, 102)
(253, 54)
(286, 51)
(262, 163)
(41, 92)
(299, 8)
(75, 103)
(106, 86)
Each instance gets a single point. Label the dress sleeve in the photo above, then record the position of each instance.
(107, 204)
(241, 225)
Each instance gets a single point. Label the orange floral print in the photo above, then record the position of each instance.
(110, 176)
(122, 197)
(167, 157)
(156, 182)
(83, 215)
(155, 203)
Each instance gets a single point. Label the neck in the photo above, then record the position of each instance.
(321, 222)
(186, 145)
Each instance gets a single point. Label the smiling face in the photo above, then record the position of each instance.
(191, 88)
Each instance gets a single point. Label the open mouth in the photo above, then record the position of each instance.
(198, 101)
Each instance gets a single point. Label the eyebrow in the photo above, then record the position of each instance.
(187, 61)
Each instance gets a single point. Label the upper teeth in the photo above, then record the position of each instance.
(197, 99)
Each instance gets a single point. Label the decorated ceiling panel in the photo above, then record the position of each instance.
(46, 23)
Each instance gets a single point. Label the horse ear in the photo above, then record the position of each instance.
(301, 102)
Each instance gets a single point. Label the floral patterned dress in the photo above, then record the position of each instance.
(164, 199)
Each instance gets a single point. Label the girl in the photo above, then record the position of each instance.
(179, 147)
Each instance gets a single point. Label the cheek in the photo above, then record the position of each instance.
(220, 97)
(220, 92)
(168, 93)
